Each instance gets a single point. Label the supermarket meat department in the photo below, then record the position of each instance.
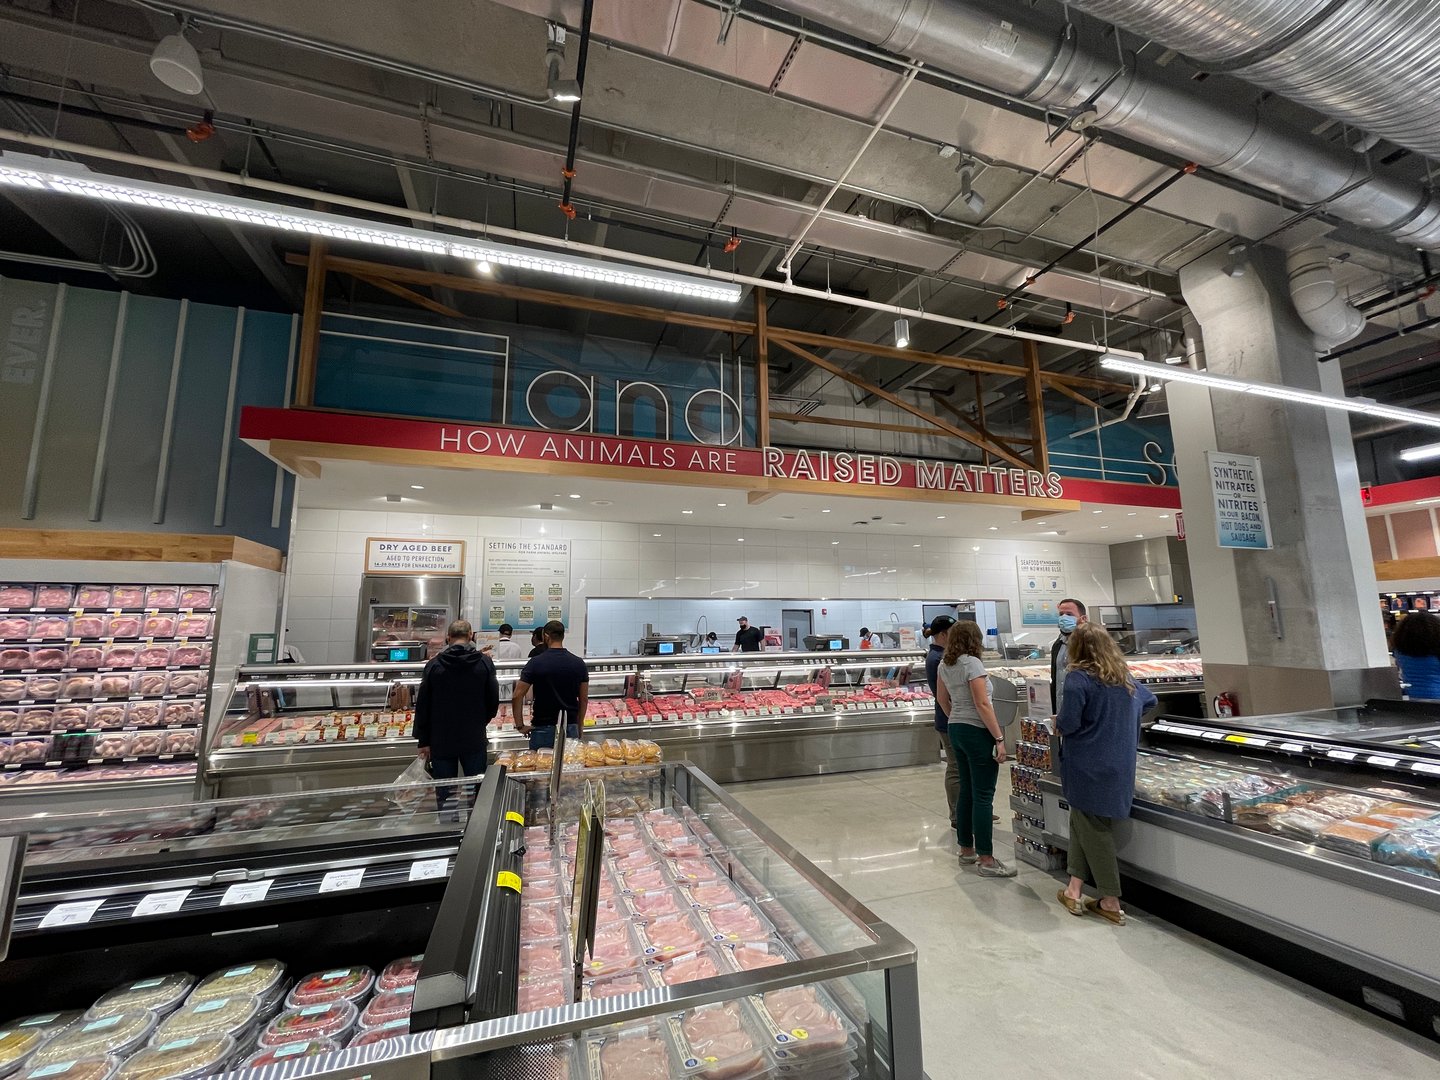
(317, 336)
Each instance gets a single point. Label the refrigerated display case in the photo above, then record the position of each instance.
(404, 617)
(362, 929)
(737, 717)
(1312, 839)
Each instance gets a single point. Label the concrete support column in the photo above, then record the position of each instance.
(1330, 645)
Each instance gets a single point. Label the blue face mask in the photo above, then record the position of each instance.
(1068, 623)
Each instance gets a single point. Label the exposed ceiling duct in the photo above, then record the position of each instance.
(1371, 65)
(1067, 68)
(1319, 301)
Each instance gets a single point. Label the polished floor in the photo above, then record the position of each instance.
(1012, 985)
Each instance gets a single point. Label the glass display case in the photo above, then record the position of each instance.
(363, 930)
(737, 716)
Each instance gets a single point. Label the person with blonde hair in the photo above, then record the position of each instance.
(977, 742)
(1099, 725)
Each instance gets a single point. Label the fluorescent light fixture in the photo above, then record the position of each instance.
(1424, 502)
(902, 333)
(1421, 453)
(417, 487)
(69, 178)
(484, 266)
(1149, 369)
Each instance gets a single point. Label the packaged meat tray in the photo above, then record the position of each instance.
(15, 627)
(1353, 837)
(180, 742)
(118, 686)
(803, 1022)
(143, 714)
(89, 626)
(341, 984)
(113, 744)
(197, 596)
(260, 979)
(118, 1035)
(146, 744)
(293, 1051)
(119, 656)
(696, 871)
(13, 689)
(107, 717)
(387, 1006)
(396, 1029)
(10, 719)
(159, 625)
(668, 935)
(190, 656)
(52, 687)
(17, 596)
(153, 655)
(635, 1052)
(15, 658)
(50, 627)
(16, 1046)
(26, 751)
(627, 982)
(709, 894)
(127, 596)
(543, 959)
(398, 973)
(193, 626)
(91, 1068)
(656, 903)
(86, 657)
(754, 955)
(334, 1020)
(703, 963)
(162, 596)
(186, 682)
(180, 1059)
(541, 919)
(740, 921)
(539, 994)
(233, 1016)
(718, 1042)
(123, 626)
(148, 683)
(93, 596)
(54, 596)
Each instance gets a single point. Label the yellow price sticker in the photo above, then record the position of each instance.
(800, 1033)
(506, 880)
(1236, 738)
(250, 738)
(589, 722)
(516, 817)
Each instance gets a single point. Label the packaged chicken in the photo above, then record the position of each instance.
(635, 1052)
(740, 921)
(114, 686)
(341, 984)
(17, 596)
(127, 596)
(197, 596)
(802, 1023)
(118, 1034)
(541, 920)
(655, 903)
(120, 656)
(334, 1020)
(16, 627)
(754, 955)
(186, 682)
(162, 596)
(161, 994)
(536, 994)
(91, 1068)
(627, 982)
(718, 1042)
(668, 935)
(31, 751)
(79, 686)
(260, 979)
(107, 717)
(190, 656)
(180, 1059)
(45, 687)
(54, 596)
(292, 1051)
(16, 1046)
(193, 626)
(12, 689)
(46, 658)
(387, 1006)
(93, 596)
(15, 659)
(398, 973)
(144, 713)
(235, 1016)
(111, 745)
(145, 744)
(543, 958)
(704, 963)
(180, 742)
(153, 655)
(32, 719)
(711, 894)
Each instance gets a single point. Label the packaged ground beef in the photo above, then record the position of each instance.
(340, 984)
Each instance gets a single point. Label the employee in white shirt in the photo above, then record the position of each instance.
(505, 648)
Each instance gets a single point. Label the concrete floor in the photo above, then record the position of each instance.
(1013, 985)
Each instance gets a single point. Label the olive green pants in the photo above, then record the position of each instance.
(1092, 851)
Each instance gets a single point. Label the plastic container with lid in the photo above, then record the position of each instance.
(233, 1016)
(395, 1029)
(91, 1068)
(52, 1023)
(718, 1040)
(340, 984)
(291, 1051)
(162, 994)
(334, 1020)
(180, 1059)
(398, 973)
(256, 980)
(16, 1046)
(388, 1006)
(118, 1034)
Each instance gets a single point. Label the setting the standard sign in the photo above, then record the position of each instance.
(525, 583)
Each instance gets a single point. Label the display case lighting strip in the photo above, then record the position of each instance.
(69, 178)
(1214, 381)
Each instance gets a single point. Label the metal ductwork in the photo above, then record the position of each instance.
(1069, 69)
(1192, 341)
(1322, 307)
(1371, 65)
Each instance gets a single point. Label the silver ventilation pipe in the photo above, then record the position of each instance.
(1067, 68)
(1371, 65)
(1192, 342)
(1322, 307)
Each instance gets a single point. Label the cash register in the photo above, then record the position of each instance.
(826, 643)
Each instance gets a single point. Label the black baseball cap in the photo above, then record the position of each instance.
(938, 624)
(743, 618)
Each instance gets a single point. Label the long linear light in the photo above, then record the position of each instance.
(1214, 381)
(1422, 453)
(68, 178)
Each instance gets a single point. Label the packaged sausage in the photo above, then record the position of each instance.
(259, 980)
(228, 1016)
(332, 1021)
(161, 994)
(91, 1068)
(118, 1034)
(398, 973)
(127, 596)
(180, 1059)
(292, 1051)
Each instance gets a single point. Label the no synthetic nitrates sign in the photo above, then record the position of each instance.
(1241, 517)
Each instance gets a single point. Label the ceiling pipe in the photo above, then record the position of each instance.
(573, 142)
(1318, 300)
(1070, 69)
(1359, 346)
(1367, 64)
(1192, 341)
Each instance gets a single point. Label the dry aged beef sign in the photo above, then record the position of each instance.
(401, 555)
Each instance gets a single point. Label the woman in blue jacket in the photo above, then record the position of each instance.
(1417, 654)
(1099, 724)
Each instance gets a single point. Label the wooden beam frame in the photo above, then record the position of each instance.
(868, 425)
(308, 361)
(762, 368)
(411, 295)
(980, 429)
(1074, 395)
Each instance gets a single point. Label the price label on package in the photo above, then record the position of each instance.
(75, 913)
(246, 892)
(428, 869)
(342, 880)
(161, 903)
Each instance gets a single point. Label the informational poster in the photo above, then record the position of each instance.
(1042, 587)
(403, 555)
(1241, 517)
(525, 583)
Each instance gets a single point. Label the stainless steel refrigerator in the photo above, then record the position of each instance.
(404, 617)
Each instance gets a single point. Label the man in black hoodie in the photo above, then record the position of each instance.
(458, 696)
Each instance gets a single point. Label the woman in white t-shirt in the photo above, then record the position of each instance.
(978, 743)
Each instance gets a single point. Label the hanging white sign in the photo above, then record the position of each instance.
(1241, 517)
(391, 555)
(1042, 587)
(525, 583)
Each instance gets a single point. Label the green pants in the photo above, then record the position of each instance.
(974, 749)
(1092, 851)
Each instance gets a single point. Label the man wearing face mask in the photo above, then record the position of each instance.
(1072, 614)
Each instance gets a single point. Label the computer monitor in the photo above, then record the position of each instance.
(709, 648)
(667, 648)
(399, 656)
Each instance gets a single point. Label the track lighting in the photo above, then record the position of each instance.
(902, 333)
(556, 88)
(176, 64)
(968, 195)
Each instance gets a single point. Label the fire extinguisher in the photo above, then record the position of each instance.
(1225, 705)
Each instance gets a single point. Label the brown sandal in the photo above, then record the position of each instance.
(1116, 917)
(1075, 907)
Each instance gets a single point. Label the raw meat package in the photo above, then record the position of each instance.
(180, 742)
(89, 596)
(691, 967)
(17, 596)
(197, 596)
(260, 979)
(146, 744)
(118, 686)
(193, 626)
(153, 656)
(540, 920)
(127, 596)
(120, 656)
(91, 1068)
(12, 689)
(233, 1016)
(627, 982)
(669, 935)
(544, 958)
(15, 627)
(78, 686)
(112, 745)
(709, 894)
(32, 751)
(33, 719)
(754, 955)
(89, 626)
(387, 1006)
(54, 596)
(186, 682)
(333, 1021)
(162, 596)
(292, 1051)
(47, 658)
(696, 870)
(180, 1059)
(637, 1052)
(16, 1046)
(398, 973)
(14, 659)
(802, 1022)
(86, 657)
(10, 720)
(158, 626)
(396, 1029)
(50, 687)
(123, 626)
(341, 984)
(718, 1042)
(542, 994)
(656, 902)
(162, 994)
(117, 1034)
(50, 627)
(190, 656)
(150, 683)
(736, 922)
(144, 713)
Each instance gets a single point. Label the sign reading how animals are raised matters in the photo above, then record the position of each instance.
(404, 556)
(1241, 517)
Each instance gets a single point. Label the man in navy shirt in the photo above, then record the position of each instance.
(939, 633)
(561, 682)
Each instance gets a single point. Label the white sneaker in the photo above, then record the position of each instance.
(996, 869)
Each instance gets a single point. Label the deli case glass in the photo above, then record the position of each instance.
(367, 931)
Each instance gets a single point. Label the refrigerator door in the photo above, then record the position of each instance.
(405, 611)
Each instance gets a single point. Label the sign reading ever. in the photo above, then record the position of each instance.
(1241, 517)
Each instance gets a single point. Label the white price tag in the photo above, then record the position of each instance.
(341, 880)
(1292, 747)
(672, 717)
(75, 913)
(1341, 755)
(1213, 735)
(160, 903)
(246, 892)
(750, 712)
(1381, 759)
(428, 869)
(688, 717)
(1426, 767)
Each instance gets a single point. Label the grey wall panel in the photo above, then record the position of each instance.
(200, 415)
(27, 310)
(139, 414)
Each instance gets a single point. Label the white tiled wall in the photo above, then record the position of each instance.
(621, 559)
